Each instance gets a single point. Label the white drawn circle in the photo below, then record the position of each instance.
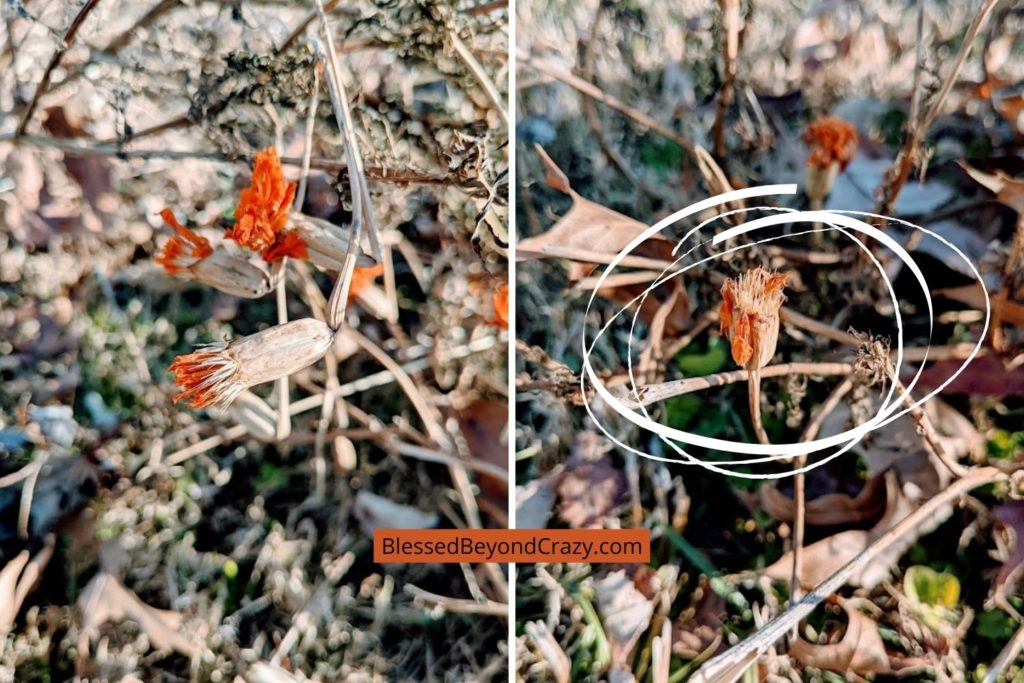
(842, 221)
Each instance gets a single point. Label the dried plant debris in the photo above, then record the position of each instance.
(182, 203)
(899, 558)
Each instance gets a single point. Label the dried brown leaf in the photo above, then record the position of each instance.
(105, 599)
(625, 612)
(1009, 191)
(860, 651)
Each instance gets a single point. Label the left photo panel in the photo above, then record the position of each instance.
(253, 310)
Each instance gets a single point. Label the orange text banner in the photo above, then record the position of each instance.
(511, 545)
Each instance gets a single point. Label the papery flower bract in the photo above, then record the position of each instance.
(500, 302)
(262, 209)
(327, 244)
(831, 140)
(215, 374)
(183, 249)
(749, 316)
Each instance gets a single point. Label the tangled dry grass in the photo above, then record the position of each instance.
(202, 544)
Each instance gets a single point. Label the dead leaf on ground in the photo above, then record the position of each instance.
(985, 376)
(594, 228)
(699, 626)
(626, 614)
(484, 424)
(831, 509)
(1010, 518)
(1011, 312)
(377, 512)
(860, 651)
(591, 487)
(822, 559)
(536, 500)
(105, 600)
(1009, 191)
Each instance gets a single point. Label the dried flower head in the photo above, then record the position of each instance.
(189, 256)
(183, 249)
(832, 141)
(262, 210)
(215, 374)
(749, 316)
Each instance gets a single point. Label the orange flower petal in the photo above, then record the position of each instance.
(363, 278)
(184, 245)
(287, 244)
(500, 302)
(262, 209)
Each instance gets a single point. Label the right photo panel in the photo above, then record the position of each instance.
(769, 311)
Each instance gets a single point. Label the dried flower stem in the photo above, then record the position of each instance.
(799, 483)
(480, 75)
(754, 402)
(44, 84)
(730, 26)
(361, 206)
(653, 393)
(730, 665)
(284, 421)
(917, 129)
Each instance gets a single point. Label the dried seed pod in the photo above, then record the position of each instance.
(215, 374)
(326, 243)
(190, 256)
(749, 316)
(232, 275)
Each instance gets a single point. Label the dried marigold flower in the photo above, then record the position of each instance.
(262, 209)
(833, 144)
(832, 141)
(500, 302)
(215, 374)
(183, 249)
(749, 316)
(189, 256)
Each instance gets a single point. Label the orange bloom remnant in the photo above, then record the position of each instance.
(501, 307)
(363, 278)
(749, 316)
(262, 210)
(215, 374)
(182, 250)
(287, 244)
(831, 140)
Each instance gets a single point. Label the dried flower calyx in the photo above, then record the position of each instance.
(749, 316)
(215, 374)
(187, 255)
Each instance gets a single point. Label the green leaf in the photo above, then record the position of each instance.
(711, 361)
(926, 586)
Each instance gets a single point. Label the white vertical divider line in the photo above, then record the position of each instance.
(512, 240)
